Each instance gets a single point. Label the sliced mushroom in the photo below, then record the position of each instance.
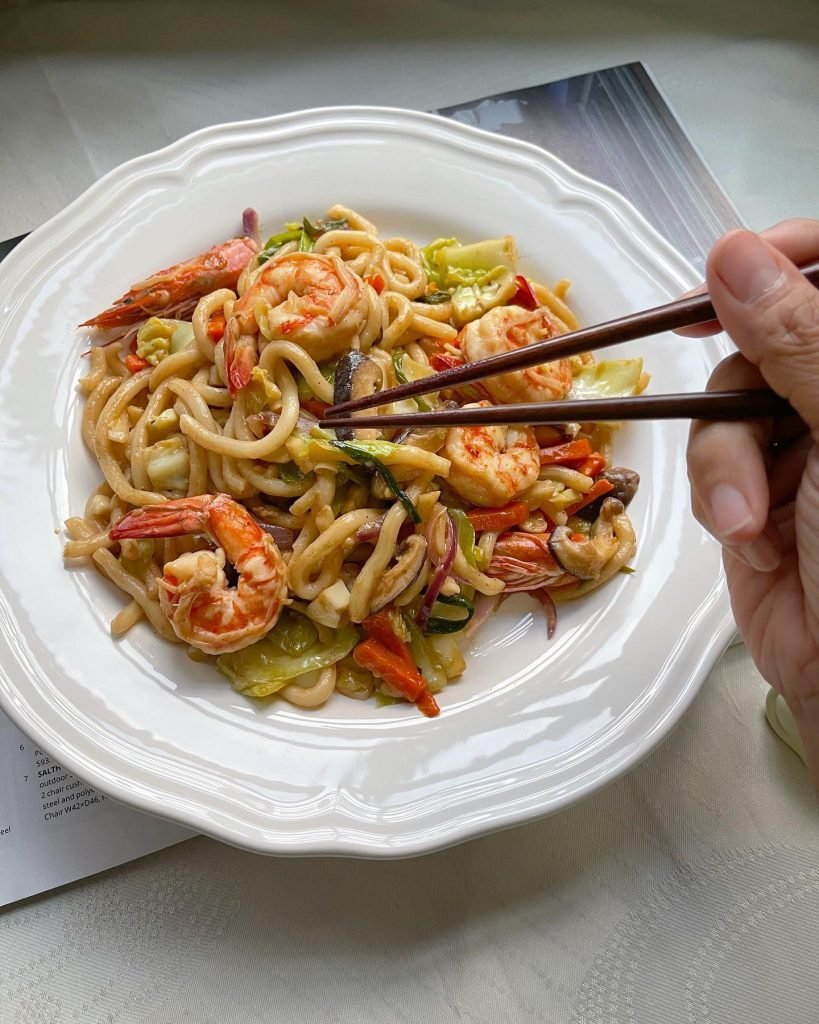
(625, 483)
(430, 439)
(357, 376)
(586, 559)
(412, 554)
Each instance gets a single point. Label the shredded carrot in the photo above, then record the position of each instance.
(600, 488)
(217, 325)
(428, 705)
(565, 454)
(377, 282)
(386, 655)
(593, 466)
(498, 519)
(373, 655)
(135, 363)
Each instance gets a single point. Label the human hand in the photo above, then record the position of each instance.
(755, 485)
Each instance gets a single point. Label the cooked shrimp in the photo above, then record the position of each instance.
(202, 609)
(509, 327)
(176, 290)
(524, 561)
(311, 299)
(492, 465)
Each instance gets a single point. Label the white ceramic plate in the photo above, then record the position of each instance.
(533, 726)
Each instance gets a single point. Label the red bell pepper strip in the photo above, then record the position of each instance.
(377, 282)
(466, 392)
(315, 406)
(135, 363)
(379, 627)
(599, 488)
(524, 296)
(217, 325)
(442, 361)
(497, 519)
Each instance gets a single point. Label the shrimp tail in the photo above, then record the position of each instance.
(240, 358)
(170, 519)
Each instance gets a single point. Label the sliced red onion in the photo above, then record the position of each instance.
(283, 537)
(250, 225)
(442, 567)
(261, 423)
(546, 600)
(370, 532)
(485, 605)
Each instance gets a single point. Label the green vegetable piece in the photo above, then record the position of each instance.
(290, 473)
(468, 264)
(402, 378)
(182, 337)
(610, 378)
(361, 452)
(309, 234)
(444, 624)
(429, 259)
(471, 301)
(291, 234)
(154, 339)
(466, 538)
(266, 666)
(167, 464)
(293, 634)
(434, 298)
(426, 658)
(383, 700)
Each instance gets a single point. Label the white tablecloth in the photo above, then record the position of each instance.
(687, 891)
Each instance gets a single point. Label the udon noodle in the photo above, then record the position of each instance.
(308, 562)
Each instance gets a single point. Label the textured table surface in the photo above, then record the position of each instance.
(687, 891)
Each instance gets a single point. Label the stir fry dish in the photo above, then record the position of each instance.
(304, 562)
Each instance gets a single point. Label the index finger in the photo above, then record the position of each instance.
(798, 239)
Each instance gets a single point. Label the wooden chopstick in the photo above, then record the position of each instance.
(709, 405)
(695, 309)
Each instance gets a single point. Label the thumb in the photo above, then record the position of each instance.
(772, 313)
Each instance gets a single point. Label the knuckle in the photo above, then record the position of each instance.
(793, 326)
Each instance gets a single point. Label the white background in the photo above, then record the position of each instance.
(688, 891)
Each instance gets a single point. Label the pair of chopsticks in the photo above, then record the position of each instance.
(688, 312)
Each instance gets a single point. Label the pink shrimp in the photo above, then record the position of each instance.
(176, 290)
(311, 299)
(202, 609)
(509, 327)
(492, 465)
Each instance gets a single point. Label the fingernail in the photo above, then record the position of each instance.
(747, 267)
(761, 554)
(730, 512)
